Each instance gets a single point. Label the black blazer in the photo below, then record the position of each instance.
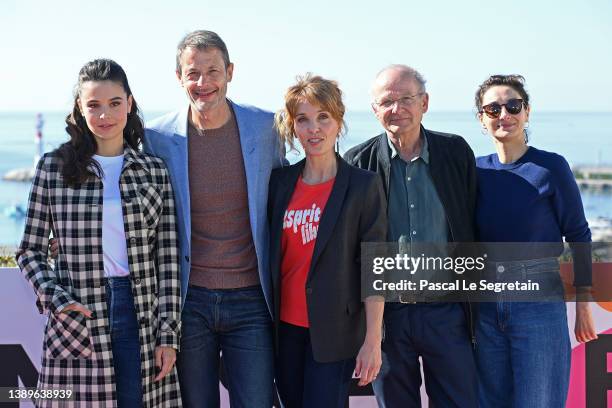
(355, 212)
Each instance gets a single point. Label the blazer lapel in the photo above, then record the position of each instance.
(248, 138)
(281, 202)
(179, 159)
(246, 130)
(180, 126)
(331, 213)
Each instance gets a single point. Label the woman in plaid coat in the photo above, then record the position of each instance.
(113, 295)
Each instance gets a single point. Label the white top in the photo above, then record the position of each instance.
(114, 247)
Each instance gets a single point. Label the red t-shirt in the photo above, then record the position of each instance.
(300, 226)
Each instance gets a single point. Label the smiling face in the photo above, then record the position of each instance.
(400, 117)
(316, 129)
(204, 77)
(507, 128)
(105, 106)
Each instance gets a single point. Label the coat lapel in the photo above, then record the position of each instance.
(246, 130)
(179, 160)
(180, 126)
(248, 138)
(331, 213)
(281, 202)
(384, 160)
(133, 157)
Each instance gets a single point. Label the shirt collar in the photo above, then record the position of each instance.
(424, 150)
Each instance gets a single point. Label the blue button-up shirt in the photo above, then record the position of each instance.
(415, 211)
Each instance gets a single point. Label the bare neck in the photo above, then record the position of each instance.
(110, 148)
(408, 145)
(212, 119)
(510, 152)
(319, 169)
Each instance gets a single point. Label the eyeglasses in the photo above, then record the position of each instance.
(494, 109)
(403, 101)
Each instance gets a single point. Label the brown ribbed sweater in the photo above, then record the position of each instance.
(222, 250)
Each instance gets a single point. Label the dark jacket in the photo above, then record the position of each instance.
(354, 213)
(453, 171)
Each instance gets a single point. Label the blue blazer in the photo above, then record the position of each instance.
(166, 138)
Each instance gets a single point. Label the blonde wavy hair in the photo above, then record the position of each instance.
(316, 90)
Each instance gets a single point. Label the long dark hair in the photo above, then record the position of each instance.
(76, 155)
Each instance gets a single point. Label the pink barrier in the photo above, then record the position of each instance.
(22, 328)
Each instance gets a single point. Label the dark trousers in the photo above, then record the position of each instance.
(436, 332)
(303, 382)
(235, 322)
(125, 342)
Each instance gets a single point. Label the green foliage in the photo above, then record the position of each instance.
(7, 261)
(7, 257)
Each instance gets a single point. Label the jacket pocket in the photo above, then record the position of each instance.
(67, 336)
(151, 204)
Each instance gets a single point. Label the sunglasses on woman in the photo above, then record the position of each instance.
(493, 110)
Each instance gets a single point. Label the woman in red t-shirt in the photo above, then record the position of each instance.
(320, 210)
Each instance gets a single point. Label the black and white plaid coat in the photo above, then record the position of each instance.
(77, 351)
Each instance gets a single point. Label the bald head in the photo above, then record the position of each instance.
(399, 101)
(393, 75)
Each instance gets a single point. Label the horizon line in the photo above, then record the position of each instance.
(159, 110)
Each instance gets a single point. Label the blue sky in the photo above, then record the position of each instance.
(561, 47)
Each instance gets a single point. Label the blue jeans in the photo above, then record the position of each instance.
(235, 322)
(125, 342)
(523, 351)
(438, 333)
(304, 382)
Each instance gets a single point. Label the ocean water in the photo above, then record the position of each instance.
(582, 138)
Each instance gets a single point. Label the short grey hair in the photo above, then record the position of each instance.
(201, 40)
(406, 72)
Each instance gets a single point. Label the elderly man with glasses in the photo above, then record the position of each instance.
(430, 183)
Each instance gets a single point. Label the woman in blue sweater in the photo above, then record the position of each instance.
(525, 196)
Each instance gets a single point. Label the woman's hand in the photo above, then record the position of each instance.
(368, 361)
(585, 328)
(77, 307)
(54, 247)
(165, 357)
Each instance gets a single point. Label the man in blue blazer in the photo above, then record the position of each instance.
(220, 155)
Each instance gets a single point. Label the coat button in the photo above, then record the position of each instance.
(137, 281)
(308, 290)
(500, 268)
(132, 240)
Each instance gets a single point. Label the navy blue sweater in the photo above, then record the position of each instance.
(534, 199)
